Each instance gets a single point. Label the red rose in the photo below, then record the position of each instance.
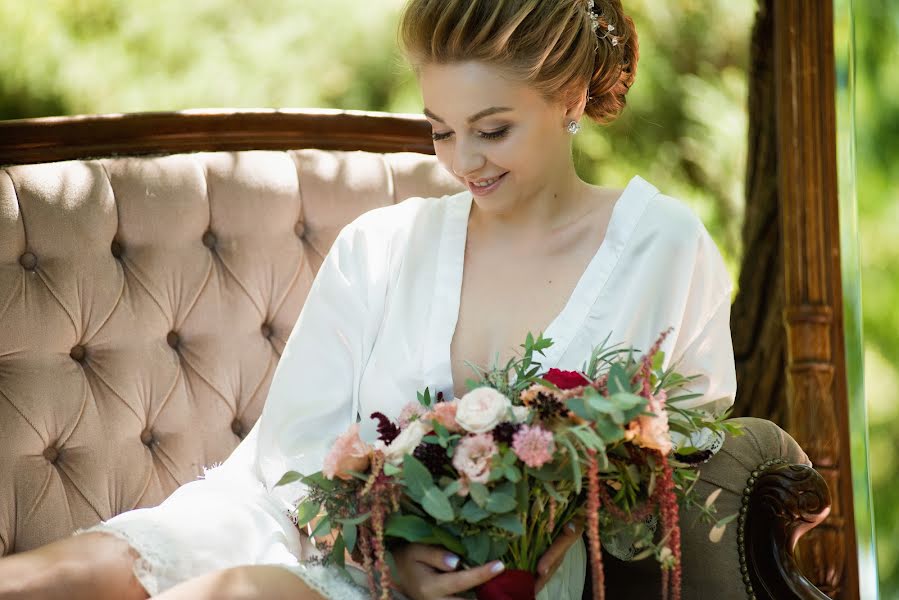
(565, 380)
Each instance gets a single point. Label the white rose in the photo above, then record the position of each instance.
(408, 439)
(520, 414)
(482, 409)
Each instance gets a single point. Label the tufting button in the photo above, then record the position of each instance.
(28, 261)
(209, 239)
(173, 339)
(116, 249)
(146, 437)
(78, 353)
(51, 454)
(299, 229)
(267, 330)
(237, 427)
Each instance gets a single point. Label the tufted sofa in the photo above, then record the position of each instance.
(145, 300)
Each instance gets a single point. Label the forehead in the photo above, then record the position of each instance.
(456, 91)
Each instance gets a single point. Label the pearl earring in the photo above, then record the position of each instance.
(573, 127)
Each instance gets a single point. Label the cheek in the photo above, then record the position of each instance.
(444, 157)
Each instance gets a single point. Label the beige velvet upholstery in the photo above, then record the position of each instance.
(144, 303)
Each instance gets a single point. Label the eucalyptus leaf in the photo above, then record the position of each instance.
(477, 547)
(307, 511)
(479, 493)
(417, 477)
(510, 522)
(289, 477)
(357, 520)
(349, 535)
(473, 513)
(338, 551)
(499, 502)
(574, 461)
(408, 527)
(322, 527)
(437, 504)
(618, 380)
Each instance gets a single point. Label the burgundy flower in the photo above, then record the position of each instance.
(387, 431)
(565, 380)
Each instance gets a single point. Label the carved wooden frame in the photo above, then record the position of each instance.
(817, 396)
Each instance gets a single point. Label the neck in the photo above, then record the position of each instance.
(554, 205)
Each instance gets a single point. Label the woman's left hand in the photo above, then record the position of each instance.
(553, 556)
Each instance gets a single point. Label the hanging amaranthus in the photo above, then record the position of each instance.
(593, 506)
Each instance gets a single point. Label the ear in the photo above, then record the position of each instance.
(576, 105)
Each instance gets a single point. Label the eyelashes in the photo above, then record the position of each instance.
(487, 135)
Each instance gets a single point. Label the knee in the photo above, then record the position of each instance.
(90, 565)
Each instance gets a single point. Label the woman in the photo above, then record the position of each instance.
(409, 293)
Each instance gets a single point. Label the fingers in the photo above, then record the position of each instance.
(459, 581)
(554, 555)
(434, 556)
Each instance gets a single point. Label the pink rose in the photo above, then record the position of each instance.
(472, 457)
(349, 453)
(445, 414)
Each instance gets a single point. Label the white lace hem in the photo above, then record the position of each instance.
(330, 583)
(152, 567)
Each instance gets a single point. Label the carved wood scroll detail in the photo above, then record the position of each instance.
(784, 502)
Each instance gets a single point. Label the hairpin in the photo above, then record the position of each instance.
(596, 22)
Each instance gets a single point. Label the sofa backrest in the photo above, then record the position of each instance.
(144, 303)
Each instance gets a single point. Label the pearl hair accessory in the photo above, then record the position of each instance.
(597, 23)
(573, 127)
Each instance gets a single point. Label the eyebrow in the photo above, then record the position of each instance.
(475, 117)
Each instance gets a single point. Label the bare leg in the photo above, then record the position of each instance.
(258, 582)
(90, 566)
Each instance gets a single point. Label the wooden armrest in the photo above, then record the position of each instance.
(781, 502)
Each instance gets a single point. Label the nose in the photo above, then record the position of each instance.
(466, 159)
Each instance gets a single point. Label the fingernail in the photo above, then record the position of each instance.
(451, 560)
(571, 528)
(497, 567)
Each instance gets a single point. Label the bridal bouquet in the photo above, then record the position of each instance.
(498, 473)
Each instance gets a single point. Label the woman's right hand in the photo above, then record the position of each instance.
(429, 572)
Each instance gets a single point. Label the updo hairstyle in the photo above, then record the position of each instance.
(550, 44)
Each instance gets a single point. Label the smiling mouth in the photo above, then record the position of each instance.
(486, 182)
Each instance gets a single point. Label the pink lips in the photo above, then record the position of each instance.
(483, 191)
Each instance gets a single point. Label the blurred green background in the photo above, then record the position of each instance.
(684, 129)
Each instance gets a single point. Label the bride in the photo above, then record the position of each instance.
(409, 292)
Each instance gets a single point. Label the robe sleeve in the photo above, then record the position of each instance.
(235, 515)
(710, 355)
(704, 346)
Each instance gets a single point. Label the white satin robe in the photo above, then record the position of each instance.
(377, 327)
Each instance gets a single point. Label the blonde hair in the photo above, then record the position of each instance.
(550, 44)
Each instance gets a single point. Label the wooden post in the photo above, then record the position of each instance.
(817, 402)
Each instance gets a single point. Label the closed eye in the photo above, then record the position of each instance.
(487, 135)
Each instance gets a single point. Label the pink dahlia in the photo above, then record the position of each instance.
(472, 457)
(349, 453)
(533, 445)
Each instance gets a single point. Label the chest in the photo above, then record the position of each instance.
(506, 295)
